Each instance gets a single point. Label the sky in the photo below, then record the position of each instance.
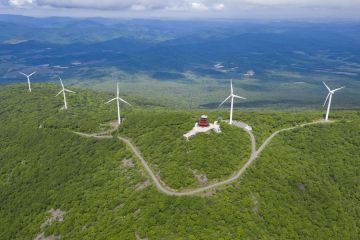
(262, 9)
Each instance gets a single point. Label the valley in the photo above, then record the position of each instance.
(188, 64)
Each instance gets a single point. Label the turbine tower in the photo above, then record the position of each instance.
(232, 96)
(118, 99)
(63, 91)
(329, 97)
(28, 78)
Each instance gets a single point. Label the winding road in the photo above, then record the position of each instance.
(161, 186)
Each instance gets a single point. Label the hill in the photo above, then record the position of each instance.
(304, 185)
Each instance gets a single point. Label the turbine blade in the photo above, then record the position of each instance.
(23, 74)
(111, 100)
(59, 93)
(327, 97)
(224, 101)
(61, 83)
(326, 86)
(32, 74)
(338, 89)
(231, 85)
(69, 90)
(123, 100)
(236, 96)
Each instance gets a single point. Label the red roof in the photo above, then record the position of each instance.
(203, 121)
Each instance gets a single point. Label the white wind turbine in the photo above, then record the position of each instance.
(329, 96)
(118, 99)
(63, 90)
(232, 96)
(28, 78)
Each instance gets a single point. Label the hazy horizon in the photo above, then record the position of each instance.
(185, 9)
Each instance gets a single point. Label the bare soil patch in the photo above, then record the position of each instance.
(127, 163)
(55, 215)
(142, 185)
(41, 236)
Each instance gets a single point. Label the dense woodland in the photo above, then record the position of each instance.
(159, 133)
(305, 185)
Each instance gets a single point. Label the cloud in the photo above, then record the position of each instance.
(138, 7)
(219, 6)
(175, 4)
(91, 4)
(104, 4)
(206, 7)
(20, 3)
(198, 6)
(299, 3)
(183, 5)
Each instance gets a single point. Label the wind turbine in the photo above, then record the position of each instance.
(232, 96)
(118, 99)
(329, 96)
(28, 78)
(63, 91)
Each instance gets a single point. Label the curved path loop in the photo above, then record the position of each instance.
(172, 192)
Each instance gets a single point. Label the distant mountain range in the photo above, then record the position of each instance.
(166, 50)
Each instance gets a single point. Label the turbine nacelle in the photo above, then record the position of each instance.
(118, 99)
(28, 78)
(329, 98)
(231, 96)
(27, 75)
(236, 96)
(331, 92)
(63, 90)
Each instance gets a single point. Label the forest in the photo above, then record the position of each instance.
(304, 185)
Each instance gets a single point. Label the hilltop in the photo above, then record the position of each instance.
(304, 185)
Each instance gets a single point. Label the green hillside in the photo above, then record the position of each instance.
(159, 133)
(304, 185)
